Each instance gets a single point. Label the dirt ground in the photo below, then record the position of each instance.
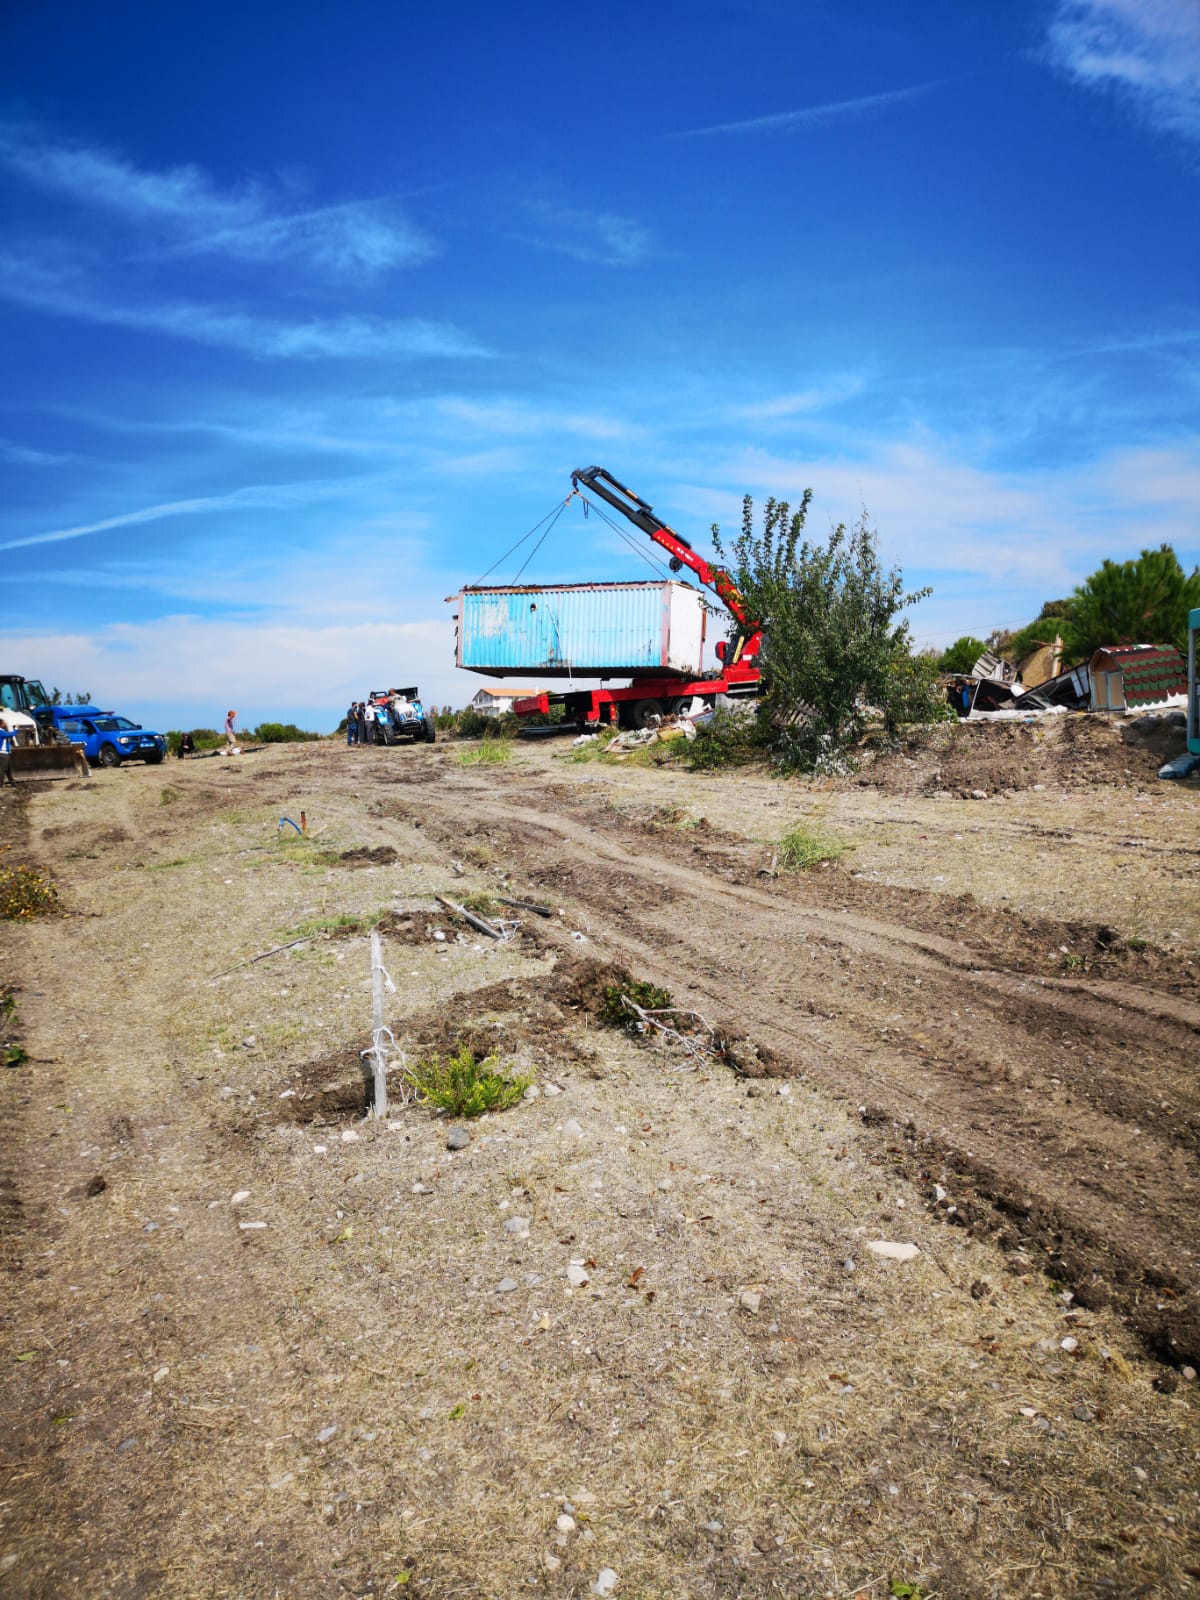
(633, 1338)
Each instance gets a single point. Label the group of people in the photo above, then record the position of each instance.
(360, 722)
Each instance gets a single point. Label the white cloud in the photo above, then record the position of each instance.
(804, 402)
(30, 284)
(1147, 50)
(269, 670)
(820, 116)
(598, 236)
(185, 208)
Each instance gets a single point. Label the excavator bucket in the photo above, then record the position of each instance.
(39, 761)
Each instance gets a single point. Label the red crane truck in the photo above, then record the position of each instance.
(648, 696)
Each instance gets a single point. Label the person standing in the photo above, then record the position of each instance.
(352, 724)
(230, 736)
(361, 719)
(7, 739)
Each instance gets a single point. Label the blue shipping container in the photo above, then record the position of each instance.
(581, 630)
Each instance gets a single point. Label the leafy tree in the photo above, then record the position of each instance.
(962, 654)
(1133, 602)
(834, 648)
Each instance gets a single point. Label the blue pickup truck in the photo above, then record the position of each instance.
(104, 738)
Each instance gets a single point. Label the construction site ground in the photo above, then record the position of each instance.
(632, 1339)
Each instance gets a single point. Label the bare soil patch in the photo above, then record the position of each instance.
(258, 1344)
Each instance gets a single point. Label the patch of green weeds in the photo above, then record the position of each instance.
(466, 1086)
(804, 846)
(26, 892)
(594, 749)
(901, 1589)
(14, 1055)
(177, 861)
(487, 753)
(341, 925)
(1074, 963)
(616, 1014)
(167, 796)
(1137, 943)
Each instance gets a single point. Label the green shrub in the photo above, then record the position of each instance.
(466, 1086)
(616, 1014)
(281, 733)
(731, 739)
(802, 847)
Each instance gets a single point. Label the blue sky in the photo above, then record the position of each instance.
(308, 311)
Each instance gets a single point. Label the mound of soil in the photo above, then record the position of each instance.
(1071, 751)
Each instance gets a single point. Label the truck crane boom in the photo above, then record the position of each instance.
(747, 638)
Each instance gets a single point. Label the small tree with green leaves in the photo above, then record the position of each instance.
(835, 651)
(962, 654)
(1133, 602)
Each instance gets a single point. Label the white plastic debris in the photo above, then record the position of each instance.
(242, 1194)
(247, 1226)
(893, 1252)
(577, 1274)
(606, 1581)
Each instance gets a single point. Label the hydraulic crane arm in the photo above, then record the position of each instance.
(632, 506)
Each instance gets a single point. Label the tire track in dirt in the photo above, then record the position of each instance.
(1085, 1128)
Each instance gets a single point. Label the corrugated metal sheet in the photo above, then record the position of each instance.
(584, 630)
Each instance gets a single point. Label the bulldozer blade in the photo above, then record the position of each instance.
(34, 761)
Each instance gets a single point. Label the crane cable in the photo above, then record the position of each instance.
(546, 525)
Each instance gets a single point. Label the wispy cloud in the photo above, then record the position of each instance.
(183, 211)
(599, 236)
(260, 496)
(30, 284)
(821, 116)
(804, 402)
(22, 456)
(1146, 50)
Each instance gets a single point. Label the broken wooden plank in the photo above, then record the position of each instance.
(469, 916)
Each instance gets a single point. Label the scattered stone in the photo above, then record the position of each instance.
(1027, 1411)
(249, 1227)
(281, 1483)
(571, 1129)
(421, 1188)
(1083, 1413)
(978, 794)
(940, 1194)
(348, 1136)
(849, 1265)
(532, 1093)
(327, 1433)
(239, 1197)
(565, 1524)
(750, 1300)
(1188, 1374)
(506, 1285)
(551, 1563)
(1069, 1344)
(457, 1139)
(517, 1225)
(577, 1275)
(552, 1089)
(606, 1581)
(713, 1527)
(893, 1252)
(162, 1373)
(95, 1186)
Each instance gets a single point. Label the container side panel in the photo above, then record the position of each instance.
(685, 630)
(560, 631)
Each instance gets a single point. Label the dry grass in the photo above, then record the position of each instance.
(860, 1428)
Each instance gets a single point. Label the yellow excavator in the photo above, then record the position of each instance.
(39, 750)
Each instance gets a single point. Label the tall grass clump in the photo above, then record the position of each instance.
(803, 846)
(489, 753)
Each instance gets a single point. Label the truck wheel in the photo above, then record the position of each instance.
(642, 710)
(430, 731)
(109, 756)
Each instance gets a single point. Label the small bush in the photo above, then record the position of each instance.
(466, 1086)
(616, 1014)
(25, 892)
(281, 733)
(731, 739)
(489, 753)
(802, 847)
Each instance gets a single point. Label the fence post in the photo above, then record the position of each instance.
(378, 1054)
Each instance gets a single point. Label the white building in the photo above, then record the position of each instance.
(495, 702)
